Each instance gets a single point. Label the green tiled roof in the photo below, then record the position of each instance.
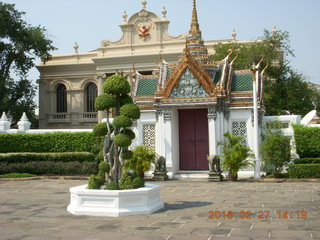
(217, 77)
(242, 82)
(147, 87)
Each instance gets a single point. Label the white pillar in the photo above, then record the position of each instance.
(256, 127)
(168, 139)
(212, 116)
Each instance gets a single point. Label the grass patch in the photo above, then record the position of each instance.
(17, 175)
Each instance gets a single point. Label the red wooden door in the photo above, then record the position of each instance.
(194, 140)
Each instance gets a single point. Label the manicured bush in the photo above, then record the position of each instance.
(126, 154)
(307, 141)
(129, 132)
(125, 182)
(122, 121)
(130, 110)
(124, 99)
(17, 175)
(50, 168)
(94, 182)
(104, 102)
(304, 170)
(101, 129)
(113, 186)
(46, 142)
(138, 182)
(307, 161)
(122, 140)
(116, 84)
(55, 157)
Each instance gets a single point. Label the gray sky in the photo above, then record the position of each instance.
(89, 22)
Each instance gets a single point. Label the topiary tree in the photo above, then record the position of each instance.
(117, 137)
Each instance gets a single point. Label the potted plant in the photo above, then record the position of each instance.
(125, 192)
(235, 154)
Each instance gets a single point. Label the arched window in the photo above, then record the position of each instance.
(91, 95)
(61, 93)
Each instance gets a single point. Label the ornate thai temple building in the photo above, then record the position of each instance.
(187, 100)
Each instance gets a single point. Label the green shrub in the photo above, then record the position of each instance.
(304, 170)
(307, 161)
(307, 141)
(125, 99)
(125, 182)
(116, 84)
(104, 102)
(122, 121)
(129, 132)
(55, 157)
(113, 186)
(17, 175)
(126, 154)
(103, 169)
(138, 182)
(122, 140)
(140, 161)
(276, 151)
(50, 168)
(101, 129)
(94, 182)
(46, 142)
(130, 110)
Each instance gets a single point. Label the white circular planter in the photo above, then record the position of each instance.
(115, 203)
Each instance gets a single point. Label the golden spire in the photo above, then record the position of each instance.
(194, 24)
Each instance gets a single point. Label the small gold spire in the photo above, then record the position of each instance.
(194, 24)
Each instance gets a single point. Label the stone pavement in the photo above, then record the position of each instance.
(36, 209)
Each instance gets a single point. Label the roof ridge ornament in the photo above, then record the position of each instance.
(144, 4)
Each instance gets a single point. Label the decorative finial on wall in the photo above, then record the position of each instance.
(144, 4)
(164, 13)
(76, 47)
(124, 15)
(274, 30)
(234, 35)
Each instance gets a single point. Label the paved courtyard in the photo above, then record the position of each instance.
(36, 209)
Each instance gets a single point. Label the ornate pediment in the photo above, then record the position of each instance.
(188, 87)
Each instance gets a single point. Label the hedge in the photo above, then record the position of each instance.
(307, 161)
(50, 168)
(307, 141)
(46, 142)
(55, 157)
(304, 170)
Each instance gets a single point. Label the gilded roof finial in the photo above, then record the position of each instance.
(194, 24)
(144, 4)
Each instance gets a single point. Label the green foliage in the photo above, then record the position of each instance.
(122, 121)
(125, 182)
(304, 170)
(104, 168)
(275, 149)
(235, 155)
(17, 175)
(46, 142)
(307, 141)
(101, 129)
(307, 161)
(99, 157)
(129, 132)
(140, 161)
(126, 154)
(113, 186)
(104, 102)
(116, 85)
(285, 88)
(138, 182)
(20, 45)
(124, 99)
(130, 110)
(94, 182)
(50, 168)
(54, 157)
(122, 140)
